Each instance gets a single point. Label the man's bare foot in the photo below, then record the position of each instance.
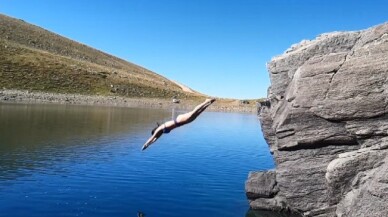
(211, 100)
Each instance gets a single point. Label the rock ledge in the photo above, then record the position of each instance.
(326, 124)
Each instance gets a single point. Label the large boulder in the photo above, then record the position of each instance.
(326, 124)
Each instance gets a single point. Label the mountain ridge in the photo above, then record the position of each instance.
(34, 58)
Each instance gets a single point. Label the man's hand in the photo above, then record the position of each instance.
(144, 147)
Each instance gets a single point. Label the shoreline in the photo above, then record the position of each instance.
(36, 97)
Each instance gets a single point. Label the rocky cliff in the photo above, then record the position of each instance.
(326, 124)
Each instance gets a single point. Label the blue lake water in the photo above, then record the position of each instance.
(61, 160)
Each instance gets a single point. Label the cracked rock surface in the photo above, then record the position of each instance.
(326, 124)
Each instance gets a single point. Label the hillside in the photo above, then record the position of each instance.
(32, 58)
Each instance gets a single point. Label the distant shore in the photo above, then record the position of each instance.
(23, 96)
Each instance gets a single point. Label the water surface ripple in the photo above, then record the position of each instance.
(60, 160)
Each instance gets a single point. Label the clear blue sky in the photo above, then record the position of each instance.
(218, 47)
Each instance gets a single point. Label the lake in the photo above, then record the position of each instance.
(66, 160)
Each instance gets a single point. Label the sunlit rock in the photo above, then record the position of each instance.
(325, 122)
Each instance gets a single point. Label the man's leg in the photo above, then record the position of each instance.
(190, 116)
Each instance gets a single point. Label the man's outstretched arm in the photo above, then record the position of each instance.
(152, 139)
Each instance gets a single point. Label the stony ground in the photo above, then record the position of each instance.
(18, 96)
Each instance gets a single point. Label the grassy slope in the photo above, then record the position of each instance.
(32, 58)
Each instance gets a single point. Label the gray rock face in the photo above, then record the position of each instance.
(261, 184)
(326, 123)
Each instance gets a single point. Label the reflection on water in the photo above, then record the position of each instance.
(27, 131)
(34, 124)
(58, 160)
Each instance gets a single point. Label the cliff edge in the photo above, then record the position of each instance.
(326, 124)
